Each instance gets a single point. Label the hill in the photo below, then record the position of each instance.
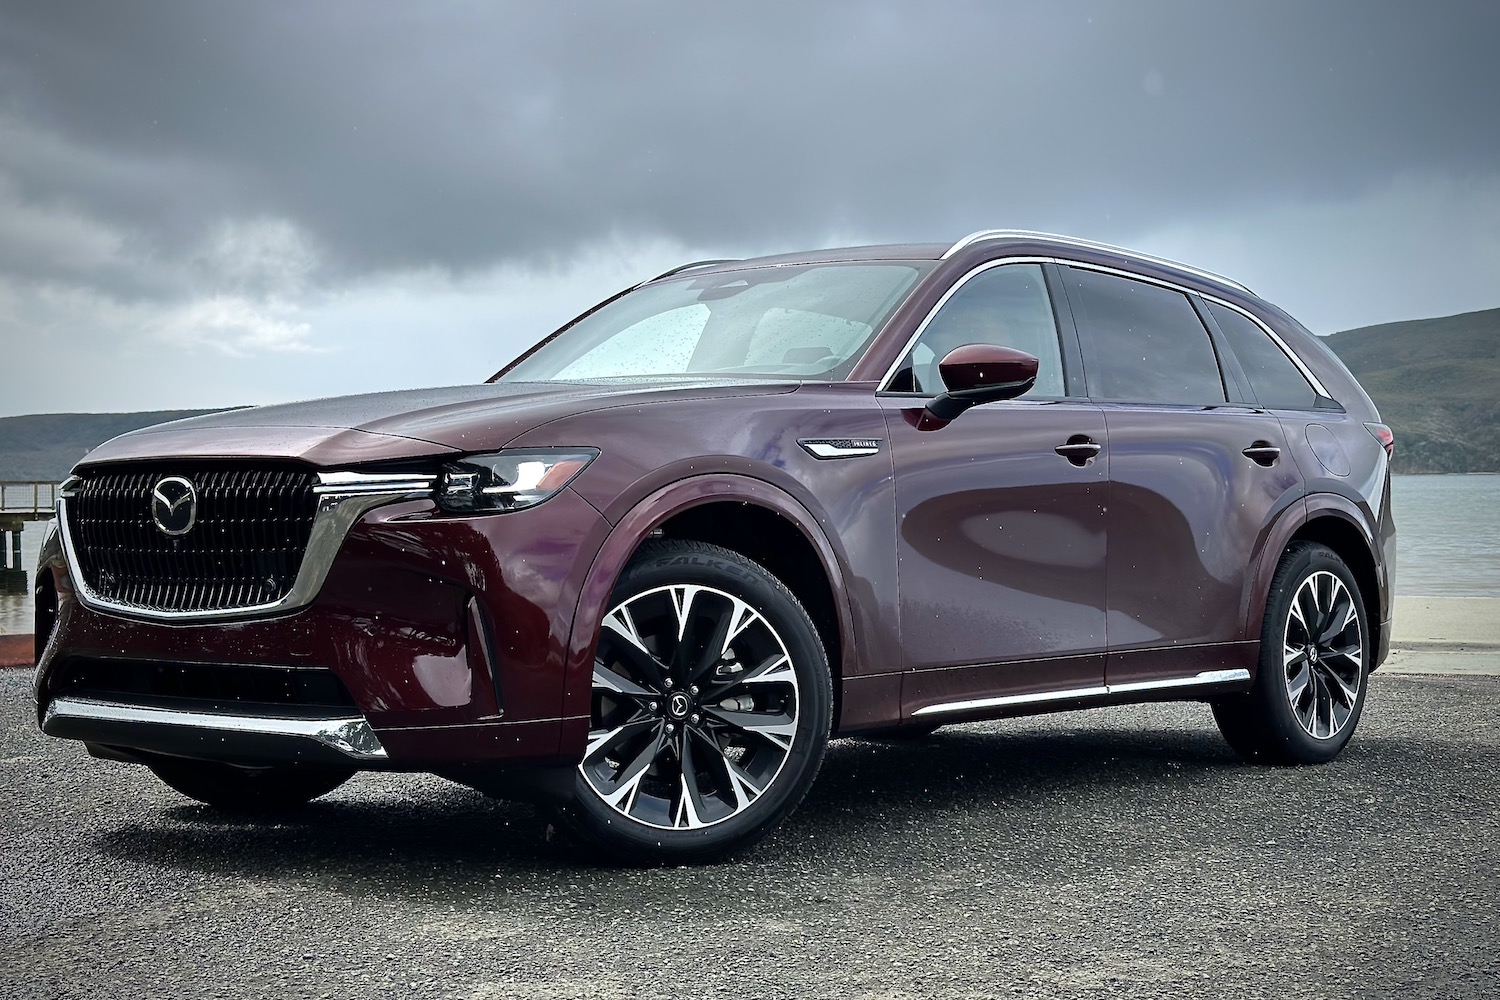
(42, 447)
(1437, 383)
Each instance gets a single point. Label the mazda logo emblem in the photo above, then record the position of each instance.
(174, 505)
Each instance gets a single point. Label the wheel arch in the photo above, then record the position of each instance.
(1332, 520)
(747, 515)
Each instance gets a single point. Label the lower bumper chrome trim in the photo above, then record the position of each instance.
(69, 717)
(1205, 678)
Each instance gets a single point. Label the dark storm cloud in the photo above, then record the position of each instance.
(402, 135)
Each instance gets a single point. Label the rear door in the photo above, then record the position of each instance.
(1197, 471)
(1000, 537)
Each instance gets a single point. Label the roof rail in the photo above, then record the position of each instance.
(1001, 234)
(688, 267)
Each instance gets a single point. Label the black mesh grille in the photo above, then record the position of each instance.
(249, 690)
(244, 549)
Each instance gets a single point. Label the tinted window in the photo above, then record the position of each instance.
(1148, 343)
(1276, 381)
(1006, 306)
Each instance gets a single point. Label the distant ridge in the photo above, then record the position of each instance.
(1437, 384)
(43, 447)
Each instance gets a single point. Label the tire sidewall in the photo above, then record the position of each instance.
(662, 565)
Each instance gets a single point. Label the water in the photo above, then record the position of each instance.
(15, 609)
(1448, 529)
(1447, 535)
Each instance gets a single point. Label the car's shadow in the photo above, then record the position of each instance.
(1032, 801)
(874, 805)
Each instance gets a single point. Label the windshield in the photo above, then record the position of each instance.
(791, 321)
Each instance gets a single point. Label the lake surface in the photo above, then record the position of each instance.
(1447, 529)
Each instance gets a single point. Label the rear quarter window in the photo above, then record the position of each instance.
(1277, 383)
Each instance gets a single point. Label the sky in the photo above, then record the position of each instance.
(207, 204)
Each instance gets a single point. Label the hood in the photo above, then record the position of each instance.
(414, 423)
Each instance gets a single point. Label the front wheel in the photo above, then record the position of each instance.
(711, 707)
(1309, 690)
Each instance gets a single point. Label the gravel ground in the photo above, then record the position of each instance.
(1115, 854)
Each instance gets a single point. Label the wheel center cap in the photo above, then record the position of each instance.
(678, 705)
(1312, 653)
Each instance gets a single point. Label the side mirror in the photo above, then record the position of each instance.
(981, 373)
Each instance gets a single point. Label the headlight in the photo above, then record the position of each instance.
(509, 480)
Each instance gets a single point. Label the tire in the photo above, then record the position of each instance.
(1309, 690)
(248, 789)
(710, 713)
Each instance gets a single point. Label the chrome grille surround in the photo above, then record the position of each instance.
(295, 542)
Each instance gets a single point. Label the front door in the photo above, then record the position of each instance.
(1000, 536)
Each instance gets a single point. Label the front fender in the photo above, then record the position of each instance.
(626, 537)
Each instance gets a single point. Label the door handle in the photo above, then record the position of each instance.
(1079, 449)
(1262, 453)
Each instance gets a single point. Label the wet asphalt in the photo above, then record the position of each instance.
(1117, 853)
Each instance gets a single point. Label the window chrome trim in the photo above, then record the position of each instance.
(1301, 366)
(1072, 241)
(343, 498)
(1198, 680)
(351, 735)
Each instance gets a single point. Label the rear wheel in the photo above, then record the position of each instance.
(711, 708)
(248, 789)
(1309, 691)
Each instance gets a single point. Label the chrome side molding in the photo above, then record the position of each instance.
(1202, 679)
(351, 736)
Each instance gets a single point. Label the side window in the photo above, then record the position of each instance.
(1007, 306)
(1276, 381)
(1148, 344)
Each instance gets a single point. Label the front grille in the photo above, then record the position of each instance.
(210, 687)
(243, 550)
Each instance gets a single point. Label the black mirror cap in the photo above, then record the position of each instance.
(981, 373)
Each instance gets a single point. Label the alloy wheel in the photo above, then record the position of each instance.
(694, 710)
(1322, 651)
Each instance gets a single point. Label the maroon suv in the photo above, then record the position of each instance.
(648, 569)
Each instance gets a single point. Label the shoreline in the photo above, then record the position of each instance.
(1431, 635)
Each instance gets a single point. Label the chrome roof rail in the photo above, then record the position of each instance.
(1000, 234)
(688, 267)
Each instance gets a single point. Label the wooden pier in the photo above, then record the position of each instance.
(19, 503)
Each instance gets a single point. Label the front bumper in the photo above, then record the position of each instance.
(238, 739)
(450, 635)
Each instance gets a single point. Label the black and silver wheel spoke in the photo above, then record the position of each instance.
(1322, 651)
(695, 708)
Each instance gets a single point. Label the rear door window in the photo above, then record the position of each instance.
(1146, 342)
(1277, 383)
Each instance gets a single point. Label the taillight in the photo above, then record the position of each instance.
(1384, 436)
